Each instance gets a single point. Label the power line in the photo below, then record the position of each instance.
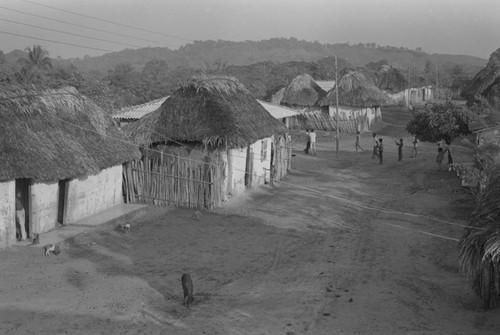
(87, 27)
(78, 35)
(47, 40)
(108, 21)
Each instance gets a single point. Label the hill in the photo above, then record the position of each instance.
(202, 54)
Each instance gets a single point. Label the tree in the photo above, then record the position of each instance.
(437, 122)
(38, 58)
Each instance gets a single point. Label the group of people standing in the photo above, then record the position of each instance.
(378, 147)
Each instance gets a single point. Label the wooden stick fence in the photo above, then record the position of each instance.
(173, 181)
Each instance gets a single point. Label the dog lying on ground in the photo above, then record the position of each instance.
(35, 239)
(51, 248)
(125, 227)
(187, 287)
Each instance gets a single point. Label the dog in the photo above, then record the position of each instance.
(125, 227)
(51, 248)
(187, 287)
(35, 239)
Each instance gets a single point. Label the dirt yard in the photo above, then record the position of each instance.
(344, 246)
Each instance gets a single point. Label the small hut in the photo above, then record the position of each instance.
(209, 141)
(63, 154)
(359, 102)
(390, 79)
(479, 247)
(282, 113)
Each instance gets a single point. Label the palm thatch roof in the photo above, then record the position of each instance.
(356, 90)
(57, 134)
(303, 91)
(479, 255)
(391, 79)
(486, 83)
(217, 111)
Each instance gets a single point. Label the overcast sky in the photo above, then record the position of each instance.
(470, 27)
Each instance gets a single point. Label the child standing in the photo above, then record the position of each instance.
(357, 142)
(400, 149)
(380, 151)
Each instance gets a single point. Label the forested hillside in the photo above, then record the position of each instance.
(132, 77)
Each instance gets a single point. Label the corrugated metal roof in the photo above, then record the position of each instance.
(138, 111)
(277, 111)
(326, 85)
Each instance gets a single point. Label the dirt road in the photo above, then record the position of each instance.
(344, 246)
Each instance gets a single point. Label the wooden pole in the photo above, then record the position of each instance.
(337, 110)
(409, 84)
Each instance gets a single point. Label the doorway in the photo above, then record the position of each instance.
(23, 188)
(61, 203)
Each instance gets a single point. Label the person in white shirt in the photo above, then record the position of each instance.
(312, 137)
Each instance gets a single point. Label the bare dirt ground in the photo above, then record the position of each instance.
(344, 246)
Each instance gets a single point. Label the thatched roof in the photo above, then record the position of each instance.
(486, 82)
(57, 134)
(212, 110)
(479, 254)
(391, 79)
(357, 91)
(303, 91)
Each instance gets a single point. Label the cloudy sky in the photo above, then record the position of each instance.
(469, 27)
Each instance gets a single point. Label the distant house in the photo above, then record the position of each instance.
(414, 95)
(134, 113)
(326, 85)
(359, 102)
(64, 155)
(209, 141)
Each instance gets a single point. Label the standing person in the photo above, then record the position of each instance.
(415, 148)
(440, 157)
(20, 217)
(380, 151)
(375, 146)
(400, 149)
(312, 138)
(357, 141)
(308, 144)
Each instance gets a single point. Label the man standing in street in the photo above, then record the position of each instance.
(380, 151)
(400, 149)
(312, 137)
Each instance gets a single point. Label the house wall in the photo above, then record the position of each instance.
(235, 171)
(7, 213)
(417, 95)
(261, 161)
(93, 194)
(44, 204)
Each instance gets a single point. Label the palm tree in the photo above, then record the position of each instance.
(37, 58)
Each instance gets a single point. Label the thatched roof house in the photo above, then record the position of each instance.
(62, 154)
(486, 83)
(217, 111)
(303, 91)
(213, 140)
(355, 90)
(391, 79)
(479, 255)
(57, 134)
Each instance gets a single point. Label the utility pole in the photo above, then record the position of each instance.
(409, 83)
(337, 109)
(437, 82)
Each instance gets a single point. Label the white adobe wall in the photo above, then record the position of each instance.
(44, 204)
(261, 161)
(7, 213)
(92, 194)
(238, 165)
